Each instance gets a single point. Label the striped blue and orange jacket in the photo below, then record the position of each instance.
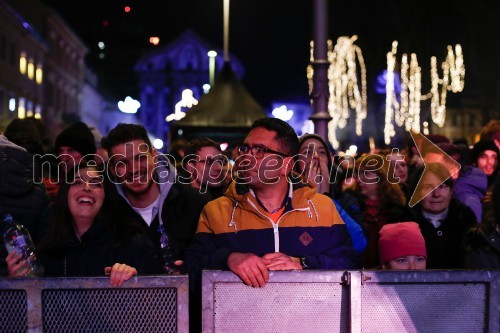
(310, 227)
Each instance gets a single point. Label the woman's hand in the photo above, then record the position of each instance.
(17, 267)
(318, 174)
(119, 273)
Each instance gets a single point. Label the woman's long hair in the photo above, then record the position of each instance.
(61, 228)
(389, 194)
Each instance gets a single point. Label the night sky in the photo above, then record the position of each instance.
(271, 37)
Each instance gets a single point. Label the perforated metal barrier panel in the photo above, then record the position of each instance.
(432, 301)
(142, 304)
(367, 301)
(13, 311)
(109, 310)
(297, 301)
(307, 301)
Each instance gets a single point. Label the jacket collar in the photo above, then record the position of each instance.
(299, 192)
(165, 176)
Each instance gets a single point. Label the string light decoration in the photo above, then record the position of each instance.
(407, 112)
(453, 80)
(343, 85)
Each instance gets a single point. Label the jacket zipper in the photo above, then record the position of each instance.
(276, 225)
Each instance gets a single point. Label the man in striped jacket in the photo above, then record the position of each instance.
(269, 219)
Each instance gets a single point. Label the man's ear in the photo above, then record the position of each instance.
(287, 165)
(154, 152)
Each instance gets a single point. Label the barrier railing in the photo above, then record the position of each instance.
(296, 301)
(142, 304)
(354, 301)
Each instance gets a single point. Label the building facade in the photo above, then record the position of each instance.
(22, 57)
(165, 73)
(42, 64)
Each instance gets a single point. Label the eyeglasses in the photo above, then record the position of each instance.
(212, 160)
(258, 151)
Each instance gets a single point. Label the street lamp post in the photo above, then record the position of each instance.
(211, 66)
(320, 64)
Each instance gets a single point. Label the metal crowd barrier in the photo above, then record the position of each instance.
(354, 301)
(142, 304)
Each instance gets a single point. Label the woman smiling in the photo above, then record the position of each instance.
(89, 236)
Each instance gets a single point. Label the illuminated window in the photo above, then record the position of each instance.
(29, 109)
(21, 110)
(39, 74)
(31, 70)
(12, 103)
(22, 63)
(38, 111)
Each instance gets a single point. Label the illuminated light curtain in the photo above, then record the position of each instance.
(407, 113)
(343, 85)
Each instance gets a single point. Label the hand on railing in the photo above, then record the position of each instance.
(281, 262)
(250, 268)
(16, 266)
(119, 273)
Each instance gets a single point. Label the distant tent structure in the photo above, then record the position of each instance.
(224, 114)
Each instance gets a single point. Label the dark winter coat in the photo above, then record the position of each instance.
(95, 251)
(483, 249)
(445, 244)
(179, 208)
(22, 194)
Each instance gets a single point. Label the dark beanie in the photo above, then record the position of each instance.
(325, 143)
(482, 146)
(77, 136)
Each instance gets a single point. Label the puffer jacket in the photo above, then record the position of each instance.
(310, 227)
(470, 188)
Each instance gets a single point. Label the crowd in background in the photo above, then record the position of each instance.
(99, 205)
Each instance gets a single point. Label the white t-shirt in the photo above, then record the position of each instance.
(147, 212)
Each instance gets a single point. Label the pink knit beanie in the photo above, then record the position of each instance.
(399, 240)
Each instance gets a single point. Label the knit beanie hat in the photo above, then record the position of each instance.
(399, 240)
(77, 136)
(482, 146)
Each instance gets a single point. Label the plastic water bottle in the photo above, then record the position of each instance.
(167, 253)
(17, 239)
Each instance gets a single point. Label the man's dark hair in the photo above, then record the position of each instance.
(124, 133)
(285, 134)
(194, 145)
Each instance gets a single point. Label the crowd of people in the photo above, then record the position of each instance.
(102, 205)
